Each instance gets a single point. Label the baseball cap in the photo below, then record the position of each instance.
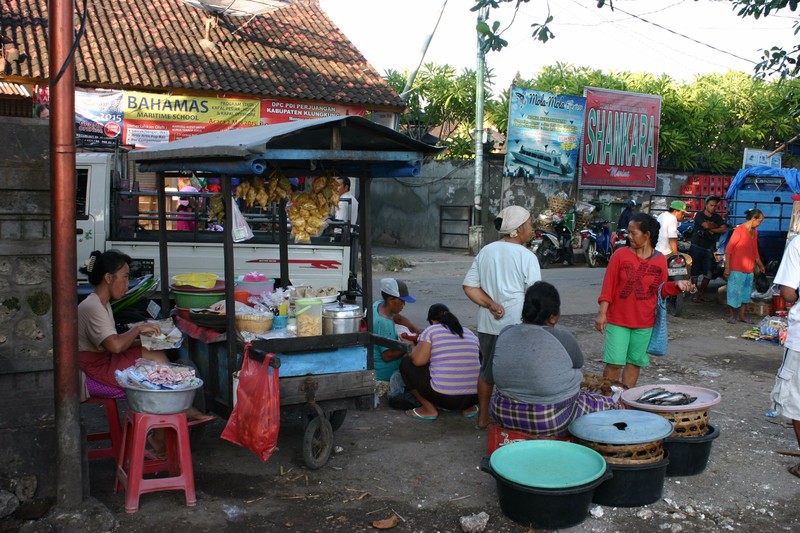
(631, 203)
(398, 289)
(678, 205)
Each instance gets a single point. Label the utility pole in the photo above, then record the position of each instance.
(476, 230)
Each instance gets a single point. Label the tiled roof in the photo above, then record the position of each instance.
(295, 52)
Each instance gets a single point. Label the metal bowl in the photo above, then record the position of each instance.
(160, 402)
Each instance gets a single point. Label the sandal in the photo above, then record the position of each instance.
(747, 321)
(698, 299)
(412, 413)
(794, 470)
(470, 413)
(730, 320)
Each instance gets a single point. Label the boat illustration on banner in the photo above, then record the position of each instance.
(542, 161)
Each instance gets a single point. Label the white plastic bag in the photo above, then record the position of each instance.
(241, 229)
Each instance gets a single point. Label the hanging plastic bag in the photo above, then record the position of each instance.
(255, 419)
(241, 229)
(658, 340)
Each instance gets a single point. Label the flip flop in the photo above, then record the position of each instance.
(412, 413)
(794, 470)
(730, 320)
(747, 321)
(472, 414)
(698, 299)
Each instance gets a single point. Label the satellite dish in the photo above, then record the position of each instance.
(238, 8)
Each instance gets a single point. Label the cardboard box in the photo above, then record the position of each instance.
(759, 308)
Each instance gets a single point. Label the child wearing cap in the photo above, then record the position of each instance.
(386, 313)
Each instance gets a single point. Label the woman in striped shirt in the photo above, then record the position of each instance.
(442, 370)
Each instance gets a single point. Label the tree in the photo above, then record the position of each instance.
(441, 104)
(705, 124)
(776, 60)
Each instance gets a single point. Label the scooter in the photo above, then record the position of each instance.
(596, 242)
(554, 246)
(678, 268)
(619, 239)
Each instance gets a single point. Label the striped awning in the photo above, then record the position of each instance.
(13, 89)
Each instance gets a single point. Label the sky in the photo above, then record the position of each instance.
(391, 33)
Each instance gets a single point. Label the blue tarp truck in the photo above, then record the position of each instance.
(770, 190)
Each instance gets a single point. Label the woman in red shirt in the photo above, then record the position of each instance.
(628, 300)
(741, 260)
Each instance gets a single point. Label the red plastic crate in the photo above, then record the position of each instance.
(693, 180)
(689, 190)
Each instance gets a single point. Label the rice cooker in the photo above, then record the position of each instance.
(341, 318)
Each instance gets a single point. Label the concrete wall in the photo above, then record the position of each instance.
(406, 211)
(27, 428)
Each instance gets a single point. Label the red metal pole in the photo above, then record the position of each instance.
(69, 492)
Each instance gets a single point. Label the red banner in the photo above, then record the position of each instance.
(275, 111)
(620, 140)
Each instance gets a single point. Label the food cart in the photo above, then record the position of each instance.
(329, 373)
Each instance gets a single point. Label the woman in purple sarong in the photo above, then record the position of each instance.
(537, 371)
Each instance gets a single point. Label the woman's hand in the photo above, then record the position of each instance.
(149, 328)
(600, 322)
(685, 285)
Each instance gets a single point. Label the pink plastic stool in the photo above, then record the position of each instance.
(114, 433)
(132, 464)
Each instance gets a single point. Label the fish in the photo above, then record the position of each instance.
(647, 395)
(675, 398)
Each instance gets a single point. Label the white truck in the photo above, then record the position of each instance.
(116, 208)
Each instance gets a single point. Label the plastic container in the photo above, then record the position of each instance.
(199, 280)
(689, 455)
(545, 508)
(308, 312)
(256, 287)
(279, 322)
(633, 485)
(197, 299)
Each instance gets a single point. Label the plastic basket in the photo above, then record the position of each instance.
(202, 281)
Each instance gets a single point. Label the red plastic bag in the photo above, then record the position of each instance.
(256, 417)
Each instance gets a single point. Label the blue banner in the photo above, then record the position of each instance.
(544, 130)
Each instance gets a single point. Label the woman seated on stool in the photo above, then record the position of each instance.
(442, 369)
(537, 371)
(101, 349)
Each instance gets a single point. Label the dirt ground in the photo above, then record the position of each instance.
(427, 473)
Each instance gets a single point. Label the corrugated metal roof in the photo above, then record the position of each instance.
(13, 89)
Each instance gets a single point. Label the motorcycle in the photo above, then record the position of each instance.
(554, 246)
(678, 268)
(596, 242)
(619, 239)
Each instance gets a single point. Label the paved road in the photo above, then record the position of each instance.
(436, 276)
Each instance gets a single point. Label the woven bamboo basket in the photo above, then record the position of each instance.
(626, 454)
(688, 423)
(560, 205)
(254, 323)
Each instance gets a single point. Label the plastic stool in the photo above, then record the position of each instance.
(132, 464)
(114, 433)
(498, 436)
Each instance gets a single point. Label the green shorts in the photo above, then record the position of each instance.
(626, 345)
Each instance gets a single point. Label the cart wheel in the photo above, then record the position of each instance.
(337, 418)
(317, 442)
